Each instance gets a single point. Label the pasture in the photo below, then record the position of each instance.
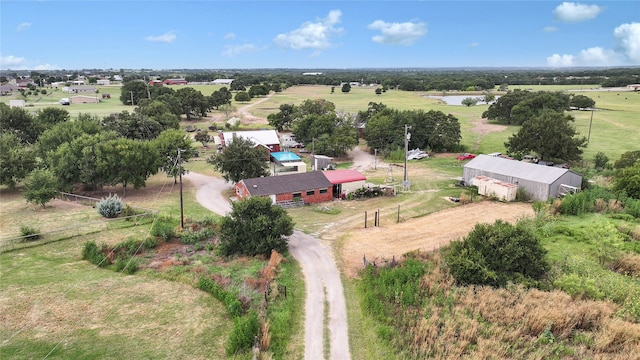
(53, 303)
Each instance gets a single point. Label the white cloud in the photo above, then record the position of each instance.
(23, 26)
(47, 67)
(312, 35)
(628, 35)
(627, 52)
(234, 50)
(230, 36)
(474, 44)
(167, 37)
(12, 62)
(576, 12)
(550, 29)
(405, 33)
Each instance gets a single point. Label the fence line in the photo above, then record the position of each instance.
(21, 242)
(91, 201)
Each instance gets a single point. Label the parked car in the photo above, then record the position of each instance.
(65, 101)
(466, 156)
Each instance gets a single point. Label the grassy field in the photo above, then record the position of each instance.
(51, 301)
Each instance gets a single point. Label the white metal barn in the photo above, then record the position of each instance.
(538, 181)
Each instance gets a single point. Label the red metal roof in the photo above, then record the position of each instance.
(343, 176)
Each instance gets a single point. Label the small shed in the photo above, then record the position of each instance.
(320, 162)
(345, 181)
(539, 182)
(16, 103)
(495, 188)
(286, 190)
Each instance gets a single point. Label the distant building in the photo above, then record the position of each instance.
(84, 99)
(633, 87)
(222, 81)
(288, 190)
(176, 82)
(80, 89)
(285, 162)
(104, 82)
(266, 138)
(16, 103)
(312, 73)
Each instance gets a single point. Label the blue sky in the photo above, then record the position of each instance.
(42, 35)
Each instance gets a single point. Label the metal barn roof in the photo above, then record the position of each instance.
(259, 137)
(514, 168)
(343, 176)
(270, 185)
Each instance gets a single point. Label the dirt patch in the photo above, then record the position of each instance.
(424, 234)
(482, 127)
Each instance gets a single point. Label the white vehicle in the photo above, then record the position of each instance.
(65, 101)
(495, 154)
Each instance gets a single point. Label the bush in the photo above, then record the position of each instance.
(229, 299)
(127, 264)
(163, 228)
(94, 254)
(110, 207)
(192, 237)
(29, 233)
(242, 337)
(494, 254)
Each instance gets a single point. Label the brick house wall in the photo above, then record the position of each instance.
(308, 196)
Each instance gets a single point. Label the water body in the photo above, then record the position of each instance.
(457, 99)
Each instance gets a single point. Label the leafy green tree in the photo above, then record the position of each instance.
(220, 97)
(255, 227)
(167, 145)
(600, 160)
(133, 90)
(65, 132)
(551, 135)
(16, 159)
(40, 187)
(488, 97)
(159, 112)
(132, 125)
(172, 102)
(242, 96)
(258, 90)
(334, 135)
(494, 254)
(127, 161)
(50, 116)
(203, 137)
(237, 85)
(582, 102)
(469, 101)
(500, 110)
(627, 159)
(241, 160)
(378, 91)
(314, 107)
(628, 180)
(283, 119)
(20, 122)
(372, 109)
(192, 102)
(346, 88)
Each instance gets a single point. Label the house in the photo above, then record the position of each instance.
(285, 162)
(345, 181)
(80, 89)
(266, 138)
(9, 88)
(176, 82)
(222, 81)
(84, 99)
(104, 82)
(287, 190)
(539, 182)
(156, 82)
(633, 87)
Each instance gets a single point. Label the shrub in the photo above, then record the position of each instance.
(494, 254)
(94, 254)
(193, 237)
(110, 207)
(229, 299)
(242, 337)
(29, 233)
(163, 228)
(127, 264)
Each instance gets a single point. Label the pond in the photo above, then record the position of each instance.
(457, 99)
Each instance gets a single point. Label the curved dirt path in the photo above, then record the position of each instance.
(322, 278)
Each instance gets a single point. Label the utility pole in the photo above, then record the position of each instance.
(375, 159)
(131, 92)
(590, 122)
(407, 136)
(313, 157)
(181, 202)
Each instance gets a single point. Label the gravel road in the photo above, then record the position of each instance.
(322, 278)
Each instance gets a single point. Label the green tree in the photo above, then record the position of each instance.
(65, 132)
(469, 101)
(494, 254)
(255, 227)
(40, 187)
(203, 137)
(133, 90)
(16, 159)
(241, 159)
(127, 161)
(582, 102)
(50, 116)
(242, 96)
(628, 180)
(600, 160)
(551, 135)
(220, 97)
(167, 145)
(159, 112)
(132, 125)
(20, 122)
(346, 88)
(283, 119)
(378, 91)
(258, 90)
(488, 97)
(627, 159)
(334, 135)
(192, 102)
